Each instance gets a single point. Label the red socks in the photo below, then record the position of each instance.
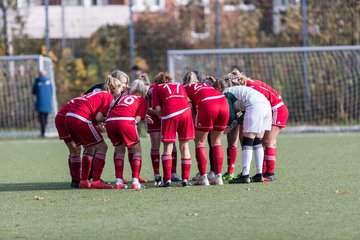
(99, 163)
(201, 158)
(86, 166)
(75, 167)
(136, 166)
(218, 156)
(185, 168)
(119, 165)
(269, 160)
(166, 163)
(231, 158)
(155, 160)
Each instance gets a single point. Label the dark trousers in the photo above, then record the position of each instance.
(43, 122)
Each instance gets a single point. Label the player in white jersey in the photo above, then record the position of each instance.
(257, 119)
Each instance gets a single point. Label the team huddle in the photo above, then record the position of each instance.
(198, 109)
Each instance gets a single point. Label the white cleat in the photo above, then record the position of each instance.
(119, 184)
(211, 175)
(217, 180)
(203, 180)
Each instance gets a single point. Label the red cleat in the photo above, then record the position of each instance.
(100, 185)
(143, 180)
(125, 182)
(84, 184)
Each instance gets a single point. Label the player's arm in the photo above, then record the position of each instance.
(100, 117)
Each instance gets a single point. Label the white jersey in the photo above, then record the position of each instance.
(245, 97)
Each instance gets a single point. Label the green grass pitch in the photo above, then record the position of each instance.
(316, 196)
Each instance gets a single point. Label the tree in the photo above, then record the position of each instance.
(9, 9)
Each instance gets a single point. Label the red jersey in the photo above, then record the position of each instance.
(198, 92)
(129, 106)
(149, 93)
(66, 108)
(90, 104)
(171, 97)
(271, 94)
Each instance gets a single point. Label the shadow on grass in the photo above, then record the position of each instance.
(17, 187)
(40, 186)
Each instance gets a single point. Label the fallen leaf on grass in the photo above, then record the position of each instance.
(38, 198)
(341, 192)
(192, 214)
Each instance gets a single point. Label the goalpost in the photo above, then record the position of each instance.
(319, 85)
(18, 117)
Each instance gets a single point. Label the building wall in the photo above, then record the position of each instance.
(80, 22)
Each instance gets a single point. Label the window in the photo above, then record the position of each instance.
(151, 5)
(233, 5)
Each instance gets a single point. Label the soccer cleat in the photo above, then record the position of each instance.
(84, 184)
(269, 177)
(211, 175)
(217, 180)
(157, 180)
(100, 185)
(197, 177)
(257, 178)
(137, 186)
(228, 176)
(119, 184)
(143, 180)
(166, 184)
(126, 182)
(240, 179)
(203, 181)
(186, 183)
(175, 177)
(75, 184)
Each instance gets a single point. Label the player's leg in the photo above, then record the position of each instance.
(259, 157)
(232, 151)
(119, 156)
(155, 156)
(166, 160)
(174, 176)
(99, 163)
(185, 162)
(218, 156)
(136, 166)
(269, 142)
(201, 156)
(74, 162)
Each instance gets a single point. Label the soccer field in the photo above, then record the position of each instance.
(316, 196)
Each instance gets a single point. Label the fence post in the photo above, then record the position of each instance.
(305, 59)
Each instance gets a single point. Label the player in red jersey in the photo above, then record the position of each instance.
(121, 127)
(81, 120)
(171, 103)
(74, 159)
(280, 115)
(211, 115)
(154, 132)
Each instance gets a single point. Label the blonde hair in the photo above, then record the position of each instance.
(236, 78)
(138, 87)
(162, 77)
(123, 77)
(112, 84)
(190, 77)
(145, 78)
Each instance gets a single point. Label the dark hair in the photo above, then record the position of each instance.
(135, 68)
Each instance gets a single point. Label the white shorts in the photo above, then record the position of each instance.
(258, 118)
